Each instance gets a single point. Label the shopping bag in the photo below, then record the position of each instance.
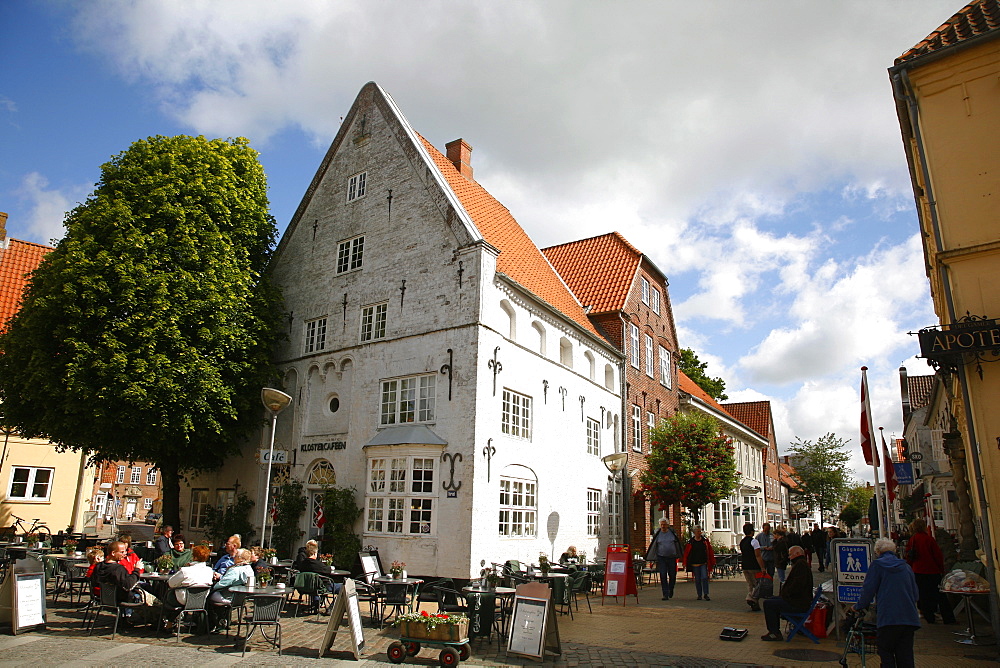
(816, 622)
(764, 588)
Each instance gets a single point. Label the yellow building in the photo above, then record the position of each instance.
(947, 91)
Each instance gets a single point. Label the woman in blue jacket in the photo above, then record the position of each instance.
(891, 583)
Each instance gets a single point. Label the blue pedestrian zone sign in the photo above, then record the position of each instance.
(852, 559)
(904, 473)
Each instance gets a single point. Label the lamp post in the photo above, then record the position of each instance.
(274, 401)
(616, 462)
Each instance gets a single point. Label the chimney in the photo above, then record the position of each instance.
(904, 391)
(3, 227)
(460, 155)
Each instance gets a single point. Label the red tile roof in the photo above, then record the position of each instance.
(694, 389)
(786, 473)
(754, 414)
(599, 270)
(519, 258)
(977, 19)
(919, 388)
(17, 261)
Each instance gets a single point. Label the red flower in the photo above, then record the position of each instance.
(425, 613)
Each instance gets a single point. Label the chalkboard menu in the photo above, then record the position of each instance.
(533, 626)
(346, 603)
(22, 596)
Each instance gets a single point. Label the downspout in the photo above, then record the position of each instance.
(626, 478)
(903, 87)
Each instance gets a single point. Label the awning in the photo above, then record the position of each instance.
(409, 434)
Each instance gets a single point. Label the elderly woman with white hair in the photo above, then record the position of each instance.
(891, 584)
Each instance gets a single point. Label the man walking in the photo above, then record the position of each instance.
(819, 546)
(664, 549)
(752, 564)
(765, 539)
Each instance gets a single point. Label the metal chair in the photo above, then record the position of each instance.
(396, 595)
(194, 605)
(451, 600)
(317, 587)
(109, 602)
(369, 591)
(266, 613)
(580, 584)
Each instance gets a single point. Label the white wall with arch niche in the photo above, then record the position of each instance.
(329, 398)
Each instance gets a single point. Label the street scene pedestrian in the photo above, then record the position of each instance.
(891, 585)
(795, 596)
(665, 549)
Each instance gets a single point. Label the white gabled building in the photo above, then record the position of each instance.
(436, 361)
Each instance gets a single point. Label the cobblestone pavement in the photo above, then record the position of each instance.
(679, 632)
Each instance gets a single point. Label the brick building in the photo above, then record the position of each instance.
(757, 415)
(625, 296)
(126, 491)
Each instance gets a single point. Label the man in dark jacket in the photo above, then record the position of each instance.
(110, 571)
(164, 542)
(665, 549)
(796, 594)
(819, 546)
(890, 581)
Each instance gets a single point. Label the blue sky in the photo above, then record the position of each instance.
(750, 149)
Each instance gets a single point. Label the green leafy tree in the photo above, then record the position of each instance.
(690, 462)
(146, 334)
(694, 369)
(850, 516)
(289, 504)
(821, 471)
(221, 523)
(341, 512)
(856, 504)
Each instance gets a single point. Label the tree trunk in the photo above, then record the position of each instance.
(171, 494)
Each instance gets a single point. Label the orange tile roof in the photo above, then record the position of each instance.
(754, 414)
(919, 388)
(519, 257)
(600, 270)
(787, 474)
(17, 261)
(687, 385)
(977, 19)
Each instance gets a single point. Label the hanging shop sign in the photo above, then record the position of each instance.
(971, 334)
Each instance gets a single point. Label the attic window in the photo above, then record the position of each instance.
(357, 186)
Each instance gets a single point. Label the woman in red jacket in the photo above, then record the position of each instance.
(699, 559)
(925, 558)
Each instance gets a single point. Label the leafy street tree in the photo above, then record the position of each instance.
(690, 462)
(821, 471)
(694, 369)
(856, 505)
(146, 334)
(850, 516)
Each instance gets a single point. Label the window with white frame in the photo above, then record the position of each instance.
(518, 507)
(199, 509)
(147, 504)
(30, 483)
(650, 369)
(373, 321)
(120, 475)
(400, 495)
(750, 503)
(315, 335)
(650, 421)
(636, 428)
(408, 400)
(515, 419)
(357, 185)
(937, 507)
(151, 476)
(136, 476)
(723, 514)
(593, 437)
(654, 300)
(634, 347)
(350, 254)
(665, 374)
(645, 291)
(593, 512)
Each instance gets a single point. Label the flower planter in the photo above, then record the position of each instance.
(442, 632)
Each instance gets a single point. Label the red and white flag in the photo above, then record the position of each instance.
(890, 471)
(867, 446)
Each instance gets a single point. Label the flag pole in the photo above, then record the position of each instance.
(869, 448)
(888, 497)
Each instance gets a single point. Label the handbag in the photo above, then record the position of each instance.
(764, 587)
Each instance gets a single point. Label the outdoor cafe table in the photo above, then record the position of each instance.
(409, 582)
(559, 582)
(252, 592)
(482, 608)
(157, 583)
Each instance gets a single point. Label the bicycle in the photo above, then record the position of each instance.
(17, 528)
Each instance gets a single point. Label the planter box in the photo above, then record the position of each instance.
(443, 632)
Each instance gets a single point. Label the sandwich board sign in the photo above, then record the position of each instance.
(533, 627)
(346, 604)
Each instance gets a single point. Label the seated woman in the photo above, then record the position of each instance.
(131, 559)
(197, 573)
(569, 556)
(236, 575)
(182, 557)
(95, 555)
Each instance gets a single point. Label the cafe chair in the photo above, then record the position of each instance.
(370, 593)
(60, 574)
(580, 583)
(428, 593)
(109, 602)
(192, 611)
(315, 587)
(396, 595)
(266, 614)
(451, 600)
(77, 581)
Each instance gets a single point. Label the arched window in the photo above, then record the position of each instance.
(540, 331)
(591, 365)
(566, 352)
(322, 473)
(512, 319)
(609, 377)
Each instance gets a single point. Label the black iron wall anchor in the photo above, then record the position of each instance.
(446, 370)
(496, 367)
(583, 400)
(345, 311)
(563, 391)
(402, 293)
(389, 200)
(603, 411)
(451, 486)
(488, 452)
(545, 391)
(461, 270)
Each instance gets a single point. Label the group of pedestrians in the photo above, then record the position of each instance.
(697, 557)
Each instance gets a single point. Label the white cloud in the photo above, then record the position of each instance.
(48, 206)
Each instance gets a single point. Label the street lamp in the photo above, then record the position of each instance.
(274, 401)
(616, 462)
